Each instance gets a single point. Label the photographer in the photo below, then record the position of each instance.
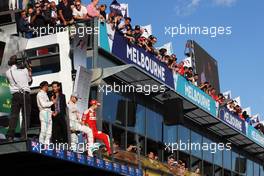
(20, 78)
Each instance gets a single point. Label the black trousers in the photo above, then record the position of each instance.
(17, 105)
(59, 129)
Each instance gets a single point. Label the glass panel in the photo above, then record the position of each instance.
(45, 65)
(5, 18)
(218, 171)
(242, 164)
(207, 168)
(154, 125)
(218, 158)
(169, 139)
(227, 173)
(235, 162)
(249, 167)
(227, 159)
(119, 136)
(261, 170)
(184, 138)
(137, 124)
(197, 143)
(169, 134)
(196, 165)
(46, 50)
(117, 103)
(207, 153)
(256, 169)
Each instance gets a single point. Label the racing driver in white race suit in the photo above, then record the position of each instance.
(77, 126)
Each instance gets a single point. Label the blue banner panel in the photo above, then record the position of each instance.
(232, 120)
(71, 156)
(108, 165)
(195, 95)
(59, 154)
(139, 172)
(131, 171)
(255, 135)
(90, 161)
(133, 54)
(117, 167)
(124, 169)
(99, 163)
(80, 158)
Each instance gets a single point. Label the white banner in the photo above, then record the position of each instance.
(147, 30)
(227, 94)
(124, 10)
(187, 62)
(82, 86)
(237, 101)
(168, 47)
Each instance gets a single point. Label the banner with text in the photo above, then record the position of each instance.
(232, 120)
(195, 95)
(133, 54)
(255, 135)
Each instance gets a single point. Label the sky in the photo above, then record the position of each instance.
(240, 61)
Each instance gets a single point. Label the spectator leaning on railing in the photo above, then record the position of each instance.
(23, 25)
(30, 14)
(125, 26)
(137, 32)
(39, 19)
(65, 12)
(92, 10)
(54, 14)
(102, 10)
(79, 11)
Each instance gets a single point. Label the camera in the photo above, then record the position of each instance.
(23, 61)
(20, 60)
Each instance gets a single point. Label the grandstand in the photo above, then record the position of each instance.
(175, 111)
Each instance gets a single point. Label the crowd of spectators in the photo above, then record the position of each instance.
(43, 13)
(177, 166)
(234, 108)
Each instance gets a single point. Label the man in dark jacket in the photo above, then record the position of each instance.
(59, 125)
(23, 25)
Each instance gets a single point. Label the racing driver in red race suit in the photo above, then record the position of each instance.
(89, 118)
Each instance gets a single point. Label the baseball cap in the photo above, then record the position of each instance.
(174, 56)
(95, 102)
(137, 27)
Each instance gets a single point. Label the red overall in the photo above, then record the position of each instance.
(90, 120)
